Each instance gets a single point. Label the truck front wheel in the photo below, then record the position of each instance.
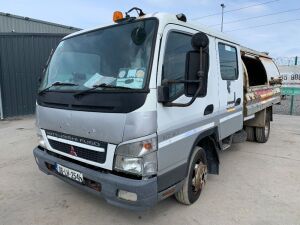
(263, 133)
(196, 178)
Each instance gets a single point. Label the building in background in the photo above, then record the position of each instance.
(290, 89)
(290, 72)
(25, 45)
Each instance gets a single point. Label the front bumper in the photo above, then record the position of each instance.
(146, 190)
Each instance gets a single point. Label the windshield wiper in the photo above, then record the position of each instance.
(57, 83)
(103, 85)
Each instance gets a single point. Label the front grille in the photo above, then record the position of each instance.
(91, 155)
(82, 152)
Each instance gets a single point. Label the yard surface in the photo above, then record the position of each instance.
(285, 106)
(258, 184)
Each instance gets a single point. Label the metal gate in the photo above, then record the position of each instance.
(22, 58)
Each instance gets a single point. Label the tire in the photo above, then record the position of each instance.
(250, 133)
(263, 133)
(196, 178)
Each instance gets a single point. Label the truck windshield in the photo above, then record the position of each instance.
(118, 56)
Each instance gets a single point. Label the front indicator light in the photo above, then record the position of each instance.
(139, 158)
(41, 141)
(150, 164)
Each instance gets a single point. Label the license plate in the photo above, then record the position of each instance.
(72, 174)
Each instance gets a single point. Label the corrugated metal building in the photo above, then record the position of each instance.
(25, 45)
(12, 23)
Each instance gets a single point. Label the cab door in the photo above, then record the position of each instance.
(230, 75)
(178, 127)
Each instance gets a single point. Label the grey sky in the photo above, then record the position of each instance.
(279, 39)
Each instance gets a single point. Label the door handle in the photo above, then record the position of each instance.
(209, 109)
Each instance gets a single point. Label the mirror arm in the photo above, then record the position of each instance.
(170, 104)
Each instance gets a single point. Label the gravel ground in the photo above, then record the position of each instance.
(259, 184)
(284, 107)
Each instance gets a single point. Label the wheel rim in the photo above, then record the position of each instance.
(199, 177)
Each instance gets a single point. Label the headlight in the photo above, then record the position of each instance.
(138, 158)
(128, 164)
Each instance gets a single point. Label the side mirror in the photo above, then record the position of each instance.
(138, 35)
(199, 40)
(196, 71)
(197, 66)
(191, 73)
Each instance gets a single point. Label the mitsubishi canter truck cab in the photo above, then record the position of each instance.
(138, 110)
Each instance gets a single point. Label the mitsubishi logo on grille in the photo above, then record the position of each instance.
(72, 151)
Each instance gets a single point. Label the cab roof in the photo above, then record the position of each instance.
(167, 18)
(164, 19)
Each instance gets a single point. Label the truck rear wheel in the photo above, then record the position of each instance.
(196, 178)
(263, 133)
(250, 133)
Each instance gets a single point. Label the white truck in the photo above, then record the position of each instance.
(138, 110)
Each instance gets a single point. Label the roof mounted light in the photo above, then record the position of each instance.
(181, 17)
(117, 16)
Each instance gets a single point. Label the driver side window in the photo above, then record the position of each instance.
(178, 44)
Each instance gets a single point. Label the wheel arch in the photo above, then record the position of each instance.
(208, 140)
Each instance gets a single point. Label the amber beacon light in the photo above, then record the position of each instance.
(117, 16)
